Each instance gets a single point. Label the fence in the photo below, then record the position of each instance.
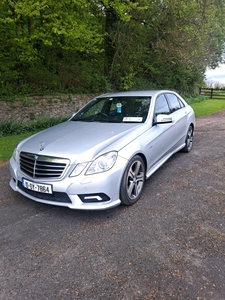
(218, 94)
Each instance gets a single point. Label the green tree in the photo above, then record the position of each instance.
(168, 43)
(87, 45)
(34, 31)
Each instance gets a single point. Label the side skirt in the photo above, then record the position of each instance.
(161, 161)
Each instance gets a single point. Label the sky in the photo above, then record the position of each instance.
(217, 75)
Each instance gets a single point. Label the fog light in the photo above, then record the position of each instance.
(94, 198)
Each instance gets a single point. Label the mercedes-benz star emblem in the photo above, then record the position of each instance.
(42, 146)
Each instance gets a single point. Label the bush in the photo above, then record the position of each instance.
(194, 99)
(12, 127)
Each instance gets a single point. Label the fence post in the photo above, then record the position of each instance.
(211, 94)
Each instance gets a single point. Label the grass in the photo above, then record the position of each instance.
(207, 107)
(13, 132)
(8, 142)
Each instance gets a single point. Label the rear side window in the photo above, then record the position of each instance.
(175, 102)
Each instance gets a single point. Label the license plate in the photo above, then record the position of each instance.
(37, 187)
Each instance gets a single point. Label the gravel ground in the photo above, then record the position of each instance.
(170, 245)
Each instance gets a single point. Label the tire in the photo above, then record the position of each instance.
(133, 181)
(189, 140)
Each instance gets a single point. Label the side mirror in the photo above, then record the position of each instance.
(163, 119)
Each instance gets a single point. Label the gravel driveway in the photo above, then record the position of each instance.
(170, 245)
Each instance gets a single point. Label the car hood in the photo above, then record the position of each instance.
(73, 139)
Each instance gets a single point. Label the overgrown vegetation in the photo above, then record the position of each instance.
(92, 46)
(11, 127)
(194, 99)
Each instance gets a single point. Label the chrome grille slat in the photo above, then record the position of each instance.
(49, 169)
(28, 170)
(41, 166)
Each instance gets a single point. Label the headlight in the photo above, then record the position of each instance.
(102, 163)
(16, 155)
(78, 169)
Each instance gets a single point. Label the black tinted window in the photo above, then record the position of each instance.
(175, 102)
(161, 106)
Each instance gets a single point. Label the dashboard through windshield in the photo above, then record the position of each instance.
(115, 110)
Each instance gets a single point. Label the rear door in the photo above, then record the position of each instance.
(179, 115)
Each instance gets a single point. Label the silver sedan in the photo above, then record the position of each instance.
(103, 154)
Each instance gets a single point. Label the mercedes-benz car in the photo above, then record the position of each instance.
(103, 154)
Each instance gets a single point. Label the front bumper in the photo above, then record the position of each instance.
(92, 192)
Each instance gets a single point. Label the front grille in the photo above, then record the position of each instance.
(55, 196)
(41, 166)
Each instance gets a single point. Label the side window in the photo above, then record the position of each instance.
(175, 102)
(181, 103)
(161, 105)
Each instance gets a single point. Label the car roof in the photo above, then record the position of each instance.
(147, 93)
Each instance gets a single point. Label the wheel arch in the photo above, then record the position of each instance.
(144, 159)
(193, 126)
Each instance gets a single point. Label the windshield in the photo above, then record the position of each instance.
(115, 110)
